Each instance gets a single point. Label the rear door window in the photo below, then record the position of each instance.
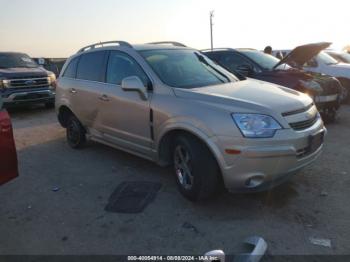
(92, 66)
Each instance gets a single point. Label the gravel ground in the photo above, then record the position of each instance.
(36, 220)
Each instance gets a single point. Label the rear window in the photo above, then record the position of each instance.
(92, 66)
(71, 69)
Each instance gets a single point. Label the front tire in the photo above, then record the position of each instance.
(196, 170)
(329, 115)
(75, 132)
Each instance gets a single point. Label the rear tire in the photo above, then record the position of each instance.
(196, 171)
(75, 132)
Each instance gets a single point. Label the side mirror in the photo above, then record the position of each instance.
(134, 83)
(245, 70)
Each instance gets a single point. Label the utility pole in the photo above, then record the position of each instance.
(211, 29)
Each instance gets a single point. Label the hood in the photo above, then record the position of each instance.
(301, 81)
(23, 72)
(252, 95)
(301, 54)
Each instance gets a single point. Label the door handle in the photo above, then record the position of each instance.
(73, 91)
(104, 98)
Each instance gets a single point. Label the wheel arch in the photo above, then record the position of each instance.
(166, 139)
(63, 114)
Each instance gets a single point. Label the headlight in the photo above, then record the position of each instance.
(52, 80)
(4, 83)
(256, 125)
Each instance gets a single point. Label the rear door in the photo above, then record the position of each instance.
(86, 90)
(8, 155)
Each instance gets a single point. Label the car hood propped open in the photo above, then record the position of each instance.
(301, 54)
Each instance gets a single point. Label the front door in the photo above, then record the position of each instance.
(124, 116)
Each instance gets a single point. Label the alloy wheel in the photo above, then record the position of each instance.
(183, 168)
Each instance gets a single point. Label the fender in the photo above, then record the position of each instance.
(193, 127)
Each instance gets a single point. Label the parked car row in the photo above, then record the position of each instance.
(324, 90)
(173, 105)
(312, 58)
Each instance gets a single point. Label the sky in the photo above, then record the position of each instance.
(58, 28)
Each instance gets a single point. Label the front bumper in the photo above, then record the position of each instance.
(25, 97)
(265, 163)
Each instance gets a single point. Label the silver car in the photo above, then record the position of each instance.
(172, 105)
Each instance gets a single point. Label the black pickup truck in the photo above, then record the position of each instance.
(22, 81)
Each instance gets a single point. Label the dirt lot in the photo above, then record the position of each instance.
(36, 220)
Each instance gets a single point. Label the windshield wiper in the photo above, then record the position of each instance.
(202, 60)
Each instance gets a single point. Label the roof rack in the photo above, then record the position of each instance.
(216, 49)
(102, 44)
(168, 43)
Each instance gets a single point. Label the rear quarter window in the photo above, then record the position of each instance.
(92, 66)
(71, 69)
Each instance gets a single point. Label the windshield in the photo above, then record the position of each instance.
(266, 61)
(326, 59)
(186, 68)
(345, 57)
(11, 60)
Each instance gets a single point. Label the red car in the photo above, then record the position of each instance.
(8, 154)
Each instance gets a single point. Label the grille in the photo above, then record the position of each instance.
(304, 124)
(298, 111)
(29, 82)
